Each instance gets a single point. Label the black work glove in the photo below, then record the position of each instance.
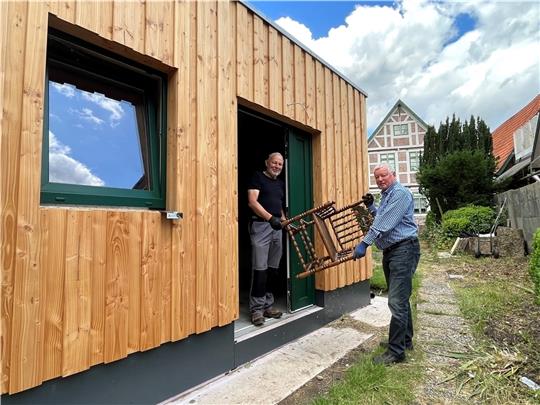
(275, 223)
(368, 199)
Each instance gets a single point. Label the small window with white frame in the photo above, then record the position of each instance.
(421, 204)
(389, 159)
(414, 161)
(401, 129)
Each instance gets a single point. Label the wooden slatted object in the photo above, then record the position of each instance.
(340, 231)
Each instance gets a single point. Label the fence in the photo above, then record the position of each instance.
(523, 209)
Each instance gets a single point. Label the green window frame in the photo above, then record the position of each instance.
(75, 62)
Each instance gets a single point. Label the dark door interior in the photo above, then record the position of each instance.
(259, 136)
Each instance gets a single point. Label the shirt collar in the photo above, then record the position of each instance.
(385, 192)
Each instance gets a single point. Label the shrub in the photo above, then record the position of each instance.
(534, 265)
(471, 219)
(433, 233)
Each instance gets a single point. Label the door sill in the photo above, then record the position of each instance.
(245, 331)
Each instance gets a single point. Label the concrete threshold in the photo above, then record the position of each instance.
(274, 376)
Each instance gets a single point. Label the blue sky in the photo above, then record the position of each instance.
(93, 139)
(478, 57)
(321, 16)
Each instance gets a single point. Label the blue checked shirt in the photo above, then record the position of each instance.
(394, 220)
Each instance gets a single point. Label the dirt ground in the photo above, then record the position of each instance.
(441, 330)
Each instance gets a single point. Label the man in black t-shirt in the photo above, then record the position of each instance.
(266, 196)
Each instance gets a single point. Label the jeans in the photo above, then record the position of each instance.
(399, 264)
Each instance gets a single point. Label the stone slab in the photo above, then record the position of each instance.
(376, 314)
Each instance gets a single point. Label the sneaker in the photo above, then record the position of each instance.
(272, 313)
(388, 358)
(257, 319)
(384, 345)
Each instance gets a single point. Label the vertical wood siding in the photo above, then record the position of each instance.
(85, 286)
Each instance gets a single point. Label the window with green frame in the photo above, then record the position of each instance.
(104, 136)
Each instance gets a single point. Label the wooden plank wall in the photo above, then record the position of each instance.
(86, 286)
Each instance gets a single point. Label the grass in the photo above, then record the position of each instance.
(367, 383)
(492, 368)
(482, 302)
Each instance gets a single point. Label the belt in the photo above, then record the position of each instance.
(257, 219)
(400, 243)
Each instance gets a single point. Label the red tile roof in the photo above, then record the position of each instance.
(503, 136)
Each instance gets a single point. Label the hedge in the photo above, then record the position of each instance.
(471, 219)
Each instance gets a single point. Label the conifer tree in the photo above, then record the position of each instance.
(457, 166)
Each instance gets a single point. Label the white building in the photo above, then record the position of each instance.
(399, 142)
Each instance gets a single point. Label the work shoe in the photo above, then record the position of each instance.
(384, 345)
(388, 358)
(257, 319)
(272, 313)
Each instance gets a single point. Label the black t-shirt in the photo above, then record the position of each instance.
(271, 192)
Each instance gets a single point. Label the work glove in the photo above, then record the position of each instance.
(360, 250)
(275, 223)
(368, 199)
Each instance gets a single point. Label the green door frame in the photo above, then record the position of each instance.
(299, 199)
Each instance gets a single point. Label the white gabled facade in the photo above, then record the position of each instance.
(399, 141)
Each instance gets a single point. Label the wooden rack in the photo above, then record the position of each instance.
(340, 231)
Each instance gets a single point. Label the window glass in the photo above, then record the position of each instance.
(404, 129)
(94, 140)
(388, 158)
(414, 161)
(401, 129)
(420, 203)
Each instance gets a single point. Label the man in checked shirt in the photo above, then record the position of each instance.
(396, 234)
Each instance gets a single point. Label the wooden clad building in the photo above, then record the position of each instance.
(94, 273)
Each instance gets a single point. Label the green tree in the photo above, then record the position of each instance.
(457, 165)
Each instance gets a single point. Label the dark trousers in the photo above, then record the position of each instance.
(399, 264)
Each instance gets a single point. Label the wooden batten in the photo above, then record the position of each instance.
(83, 286)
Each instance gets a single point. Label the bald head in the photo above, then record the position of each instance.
(274, 164)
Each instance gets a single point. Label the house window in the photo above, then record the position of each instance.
(414, 161)
(104, 128)
(420, 203)
(401, 129)
(389, 159)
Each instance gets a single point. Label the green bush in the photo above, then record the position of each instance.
(432, 233)
(534, 265)
(472, 219)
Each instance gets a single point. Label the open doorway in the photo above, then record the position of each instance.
(258, 136)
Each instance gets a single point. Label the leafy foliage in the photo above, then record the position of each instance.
(457, 165)
(433, 233)
(534, 265)
(471, 219)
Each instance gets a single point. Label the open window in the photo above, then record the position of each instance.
(104, 134)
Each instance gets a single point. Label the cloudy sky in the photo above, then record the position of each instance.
(463, 57)
(93, 139)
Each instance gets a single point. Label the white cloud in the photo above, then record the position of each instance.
(65, 89)
(64, 169)
(88, 115)
(112, 106)
(407, 52)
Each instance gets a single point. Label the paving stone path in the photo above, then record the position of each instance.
(441, 334)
